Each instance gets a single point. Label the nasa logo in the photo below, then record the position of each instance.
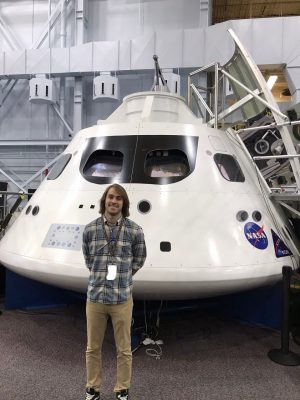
(256, 235)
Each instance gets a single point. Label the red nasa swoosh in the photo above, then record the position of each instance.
(258, 233)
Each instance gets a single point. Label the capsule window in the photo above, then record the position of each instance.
(144, 206)
(28, 209)
(59, 166)
(229, 167)
(166, 163)
(35, 210)
(256, 215)
(242, 216)
(104, 163)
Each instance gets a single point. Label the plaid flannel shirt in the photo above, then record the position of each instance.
(130, 255)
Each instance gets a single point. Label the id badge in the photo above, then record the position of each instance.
(111, 272)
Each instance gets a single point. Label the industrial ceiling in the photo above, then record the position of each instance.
(224, 10)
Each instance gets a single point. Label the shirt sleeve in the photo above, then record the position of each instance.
(139, 250)
(85, 248)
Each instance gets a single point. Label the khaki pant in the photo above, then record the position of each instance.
(97, 315)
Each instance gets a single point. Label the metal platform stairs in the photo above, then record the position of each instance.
(277, 164)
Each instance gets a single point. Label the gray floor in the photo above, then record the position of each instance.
(204, 357)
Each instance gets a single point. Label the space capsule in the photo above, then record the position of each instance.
(209, 227)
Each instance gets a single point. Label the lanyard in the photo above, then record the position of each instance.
(112, 242)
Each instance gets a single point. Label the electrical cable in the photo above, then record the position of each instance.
(149, 333)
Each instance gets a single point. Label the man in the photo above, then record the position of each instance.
(114, 250)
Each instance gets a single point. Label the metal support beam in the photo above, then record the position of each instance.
(200, 98)
(275, 110)
(232, 109)
(206, 67)
(272, 125)
(216, 94)
(284, 156)
(12, 180)
(52, 20)
(290, 208)
(81, 21)
(246, 151)
(34, 142)
(11, 172)
(13, 193)
(32, 178)
(62, 80)
(78, 99)
(280, 119)
(8, 91)
(55, 108)
(189, 102)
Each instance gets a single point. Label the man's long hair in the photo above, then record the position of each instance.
(121, 192)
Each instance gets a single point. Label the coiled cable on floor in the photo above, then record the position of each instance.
(154, 352)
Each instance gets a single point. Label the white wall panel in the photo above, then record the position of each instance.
(244, 28)
(14, 62)
(293, 77)
(112, 20)
(193, 47)
(169, 48)
(60, 60)
(142, 51)
(124, 54)
(267, 39)
(172, 14)
(218, 44)
(105, 56)
(81, 57)
(295, 61)
(175, 48)
(290, 36)
(38, 62)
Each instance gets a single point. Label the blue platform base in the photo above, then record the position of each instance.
(26, 293)
(261, 306)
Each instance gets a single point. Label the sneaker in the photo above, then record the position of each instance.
(122, 395)
(91, 394)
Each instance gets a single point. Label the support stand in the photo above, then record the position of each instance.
(283, 355)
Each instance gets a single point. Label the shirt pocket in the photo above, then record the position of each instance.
(126, 249)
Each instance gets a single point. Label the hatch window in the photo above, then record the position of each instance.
(59, 166)
(229, 167)
(166, 163)
(148, 159)
(104, 163)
